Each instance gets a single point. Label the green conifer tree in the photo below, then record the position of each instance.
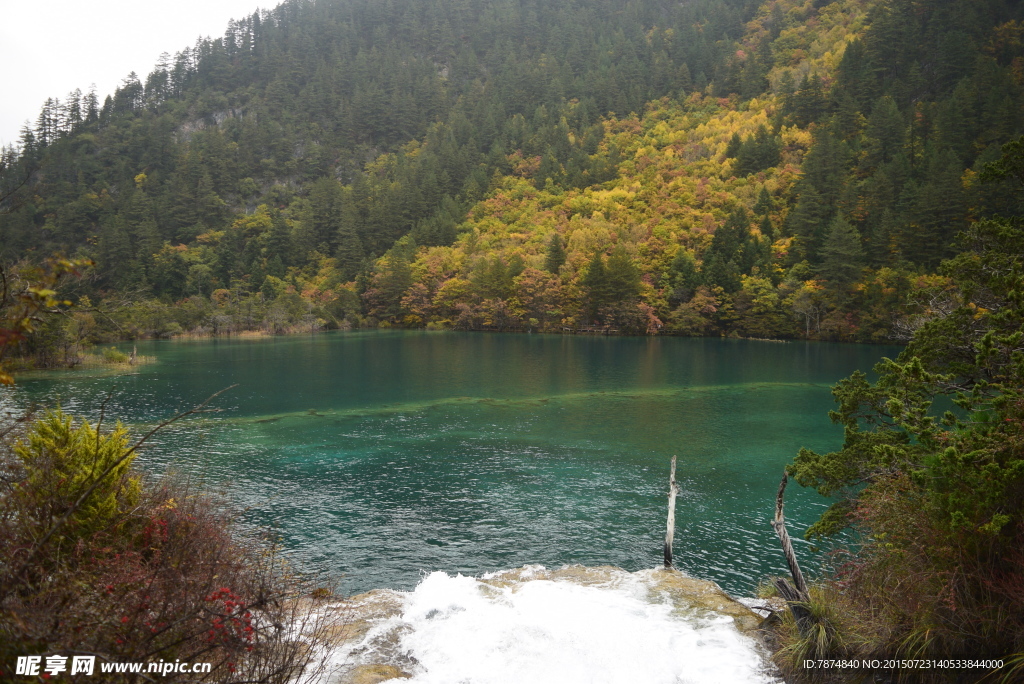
(555, 256)
(842, 256)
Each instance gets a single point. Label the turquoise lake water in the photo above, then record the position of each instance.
(379, 456)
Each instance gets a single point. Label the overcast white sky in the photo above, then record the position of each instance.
(50, 47)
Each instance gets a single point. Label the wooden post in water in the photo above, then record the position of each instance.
(670, 532)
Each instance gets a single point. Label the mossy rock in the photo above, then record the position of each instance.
(691, 593)
(374, 674)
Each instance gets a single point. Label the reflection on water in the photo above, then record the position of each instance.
(384, 455)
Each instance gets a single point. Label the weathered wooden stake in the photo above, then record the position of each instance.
(670, 533)
(796, 598)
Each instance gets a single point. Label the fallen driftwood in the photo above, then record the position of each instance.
(796, 596)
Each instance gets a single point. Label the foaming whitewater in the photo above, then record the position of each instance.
(593, 625)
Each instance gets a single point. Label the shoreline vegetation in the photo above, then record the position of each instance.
(109, 358)
(935, 500)
(62, 347)
(106, 561)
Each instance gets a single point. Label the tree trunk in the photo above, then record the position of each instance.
(798, 597)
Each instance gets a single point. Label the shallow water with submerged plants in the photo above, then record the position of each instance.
(381, 456)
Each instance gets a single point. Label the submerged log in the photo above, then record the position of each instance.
(670, 531)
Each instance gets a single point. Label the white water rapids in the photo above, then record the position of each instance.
(532, 626)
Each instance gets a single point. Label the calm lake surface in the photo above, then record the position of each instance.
(382, 455)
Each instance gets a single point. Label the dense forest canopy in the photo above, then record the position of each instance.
(775, 169)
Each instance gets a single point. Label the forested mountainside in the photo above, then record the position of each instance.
(775, 169)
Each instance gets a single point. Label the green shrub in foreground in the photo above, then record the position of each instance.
(96, 559)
